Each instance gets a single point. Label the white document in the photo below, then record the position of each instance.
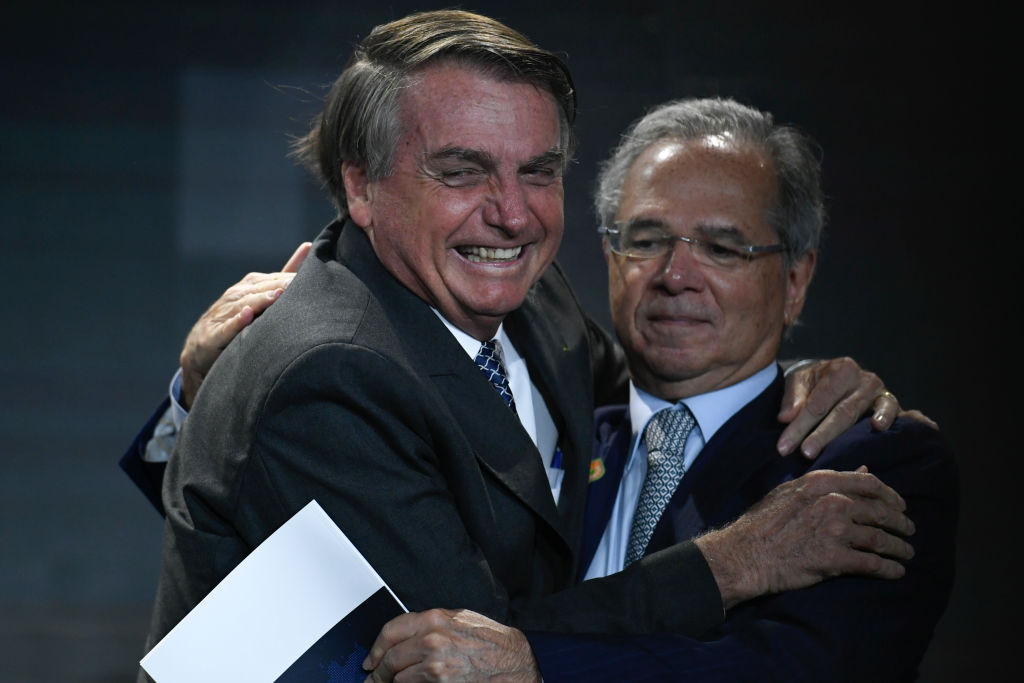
(290, 594)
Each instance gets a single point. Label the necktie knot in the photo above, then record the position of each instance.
(489, 360)
(665, 436)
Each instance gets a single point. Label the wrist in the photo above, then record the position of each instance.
(736, 575)
(523, 666)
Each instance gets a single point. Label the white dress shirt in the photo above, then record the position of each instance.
(710, 410)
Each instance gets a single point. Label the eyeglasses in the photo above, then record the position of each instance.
(648, 242)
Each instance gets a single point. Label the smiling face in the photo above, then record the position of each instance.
(688, 328)
(471, 215)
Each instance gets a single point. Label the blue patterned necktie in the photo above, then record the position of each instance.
(489, 361)
(665, 436)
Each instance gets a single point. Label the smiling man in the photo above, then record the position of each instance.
(486, 206)
(443, 145)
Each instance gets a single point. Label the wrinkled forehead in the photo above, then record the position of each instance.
(685, 183)
(467, 97)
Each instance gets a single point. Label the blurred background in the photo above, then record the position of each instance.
(143, 170)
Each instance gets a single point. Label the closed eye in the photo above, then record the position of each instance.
(721, 253)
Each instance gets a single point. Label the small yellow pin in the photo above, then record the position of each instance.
(596, 469)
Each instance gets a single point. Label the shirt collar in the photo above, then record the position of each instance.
(471, 345)
(710, 410)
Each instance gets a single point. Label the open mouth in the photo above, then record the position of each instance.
(489, 255)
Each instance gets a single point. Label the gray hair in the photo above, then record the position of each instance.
(798, 214)
(360, 121)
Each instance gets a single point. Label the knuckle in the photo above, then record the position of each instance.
(435, 670)
(818, 480)
(835, 504)
(835, 529)
(871, 563)
(878, 540)
(436, 618)
(387, 632)
(434, 640)
(873, 382)
(847, 365)
(847, 411)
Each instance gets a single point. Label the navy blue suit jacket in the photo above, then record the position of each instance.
(849, 628)
(148, 476)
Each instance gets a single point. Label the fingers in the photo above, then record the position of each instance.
(386, 651)
(920, 417)
(869, 564)
(885, 410)
(799, 380)
(260, 300)
(874, 540)
(875, 513)
(247, 290)
(224, 319)
(860, 484)
(296, 259)
(395, 631)
(841, 393)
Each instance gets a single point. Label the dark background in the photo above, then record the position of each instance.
(142, 158)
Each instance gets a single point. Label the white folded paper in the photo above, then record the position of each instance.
(304, 605)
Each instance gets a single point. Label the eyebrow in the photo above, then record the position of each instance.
(639, 223)
(553, 156)
(473, 156)
(729, 232)
(703, 230)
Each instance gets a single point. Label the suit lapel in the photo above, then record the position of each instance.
(560, 369)
(474, 404)
(611, 451)
(710, 493)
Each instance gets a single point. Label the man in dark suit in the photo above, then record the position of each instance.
(712, 219)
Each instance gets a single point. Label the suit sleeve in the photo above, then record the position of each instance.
(148, 476)
(844, 629)
(671, 590)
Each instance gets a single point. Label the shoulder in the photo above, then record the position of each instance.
(906, 438)
(910, 456)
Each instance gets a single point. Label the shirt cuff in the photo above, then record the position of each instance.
(165, 433)
(178, 414)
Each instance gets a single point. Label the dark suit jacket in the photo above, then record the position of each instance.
(148, 476)
(849, 628)
(350, 390)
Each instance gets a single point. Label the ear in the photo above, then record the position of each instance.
(358, 194)
(798, 279)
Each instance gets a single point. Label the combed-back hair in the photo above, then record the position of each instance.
(798, 213)
(360, 121)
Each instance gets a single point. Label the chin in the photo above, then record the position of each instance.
(673, 365)
(498, 304)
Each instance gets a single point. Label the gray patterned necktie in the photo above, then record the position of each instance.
(665, 436)
(488, 359)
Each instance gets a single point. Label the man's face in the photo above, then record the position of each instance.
(471, 215)
(689, 328)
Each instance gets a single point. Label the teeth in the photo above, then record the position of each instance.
(487, 255)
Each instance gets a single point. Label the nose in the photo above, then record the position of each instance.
(506, 208)
(681, 270)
